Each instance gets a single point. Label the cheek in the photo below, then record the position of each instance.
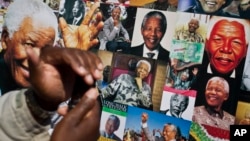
(144, 34)
(225, 97)
(19, 51)
(15, 52)
(159, 35)
(211, 46)
(240, 53)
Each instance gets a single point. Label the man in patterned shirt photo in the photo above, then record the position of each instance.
(131, 90)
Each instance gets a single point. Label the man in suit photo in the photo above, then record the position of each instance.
(77, 13)
(112, 125)
(115, 37)
(153, 28)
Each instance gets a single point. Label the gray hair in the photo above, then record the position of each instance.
(145, 62)
(39, 12)
(159, 15)
(185, 73)
(174, 128)
(220, 79)
(115, 119)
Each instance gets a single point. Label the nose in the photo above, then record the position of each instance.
(227, 47)
(153, 32)
(213, 91)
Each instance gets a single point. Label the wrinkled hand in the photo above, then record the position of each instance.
(82, 122)
(85, 36)
(54, 71)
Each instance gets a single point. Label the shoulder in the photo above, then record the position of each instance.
(125, 76)
(146, 85)
(107, 21)
(116, 138)
(163, 49)
(199, 109)
(137, 47)
(163, 53)
(228, 117)
(229, 14)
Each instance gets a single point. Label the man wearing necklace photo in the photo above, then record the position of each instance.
(216, 93)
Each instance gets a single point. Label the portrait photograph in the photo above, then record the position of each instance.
(104, 119)
(242, 116)
(181, 101)
(171, 18)
(133, 123)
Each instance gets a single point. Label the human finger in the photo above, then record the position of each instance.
(90, 13)
(62, 110)
(84, 106)
(83, 63)
(92, 66)
(96, 25)
(63, 25)
(84, 114)
(33, 57)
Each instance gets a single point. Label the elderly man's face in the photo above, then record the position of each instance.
(110, 127)
(215, 94)
(178, 104)
(226, 46)
(28, 35)
(168, 133)
(184, 76)
(116, 13)
(142, 70)
(211, 6)
(193, 25)
(152, 32)
(76, 11)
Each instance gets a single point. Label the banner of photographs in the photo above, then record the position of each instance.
(170, 66)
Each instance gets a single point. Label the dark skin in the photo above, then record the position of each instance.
(85, 114)
(51, 87)
(53, 76)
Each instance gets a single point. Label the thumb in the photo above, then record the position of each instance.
(33, 61)
(33, 57)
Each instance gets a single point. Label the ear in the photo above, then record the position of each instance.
(4, 38)
(226, 97)
(206, 44)
(141, 30)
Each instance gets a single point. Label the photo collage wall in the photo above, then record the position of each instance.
(183, 64)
